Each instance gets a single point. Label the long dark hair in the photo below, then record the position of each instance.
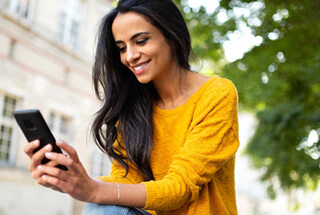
(126, 112)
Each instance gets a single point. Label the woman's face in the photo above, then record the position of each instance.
(143, 48)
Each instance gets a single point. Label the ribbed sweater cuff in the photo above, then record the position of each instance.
(151, 195)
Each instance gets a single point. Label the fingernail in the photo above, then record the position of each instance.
(48, 154)
(39, 167)
(48, 146)
(36, 142)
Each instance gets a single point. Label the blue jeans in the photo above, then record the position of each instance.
(96, 209)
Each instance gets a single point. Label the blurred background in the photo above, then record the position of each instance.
(270, 50)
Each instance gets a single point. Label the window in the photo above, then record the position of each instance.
(60, 126)
(100, 164)
(69, 23)
(12, 48)
(5, 142)
(7, 106)
(23, 8)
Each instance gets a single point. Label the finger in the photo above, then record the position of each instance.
(69, 149)
(53, 171)
(37, 175)
(52, 163)
(45, 170)
(60, 159)
(38, 156)
(30, 147)
(57, 183)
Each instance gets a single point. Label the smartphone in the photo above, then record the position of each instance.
(34, 127)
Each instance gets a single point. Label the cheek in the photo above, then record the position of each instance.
(163, 51)
(166, 55)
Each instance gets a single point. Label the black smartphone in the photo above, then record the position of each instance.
(34, 127)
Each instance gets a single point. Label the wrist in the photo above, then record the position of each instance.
(105, 193)
(94, 191)
(118, 194)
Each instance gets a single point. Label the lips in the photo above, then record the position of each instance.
(139, 69)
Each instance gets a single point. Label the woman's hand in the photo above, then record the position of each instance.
(35, 161)
(75, 181)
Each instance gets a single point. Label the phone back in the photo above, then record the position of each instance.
(33, 125)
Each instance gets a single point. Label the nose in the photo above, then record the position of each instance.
(132, 54)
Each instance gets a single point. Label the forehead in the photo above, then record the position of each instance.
(127, 24)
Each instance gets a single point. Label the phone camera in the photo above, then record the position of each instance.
(29, 125)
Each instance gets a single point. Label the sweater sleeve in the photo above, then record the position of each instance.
(211, 141)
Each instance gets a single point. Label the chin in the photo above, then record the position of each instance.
(143, 80)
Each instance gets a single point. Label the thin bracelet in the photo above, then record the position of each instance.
(118, 194)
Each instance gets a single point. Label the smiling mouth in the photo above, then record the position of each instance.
(138, 68)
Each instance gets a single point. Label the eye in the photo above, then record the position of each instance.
(122, 49)
(142, 41)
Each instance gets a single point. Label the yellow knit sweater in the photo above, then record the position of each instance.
(193, 155)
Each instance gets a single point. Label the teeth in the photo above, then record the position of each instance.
(140, 67)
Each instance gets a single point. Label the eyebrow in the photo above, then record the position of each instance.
(133, 37)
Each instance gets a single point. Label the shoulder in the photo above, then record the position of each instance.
(217, 87)
(218, 96)
(217, 83)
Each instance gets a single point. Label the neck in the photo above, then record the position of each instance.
(174, 90)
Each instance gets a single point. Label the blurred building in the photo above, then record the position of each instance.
(46, 55)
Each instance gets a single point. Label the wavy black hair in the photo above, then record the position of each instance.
(126, 112)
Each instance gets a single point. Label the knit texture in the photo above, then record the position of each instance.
(193, 154)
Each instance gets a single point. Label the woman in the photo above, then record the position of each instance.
(172, 134)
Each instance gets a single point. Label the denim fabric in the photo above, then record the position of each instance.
(96, 209)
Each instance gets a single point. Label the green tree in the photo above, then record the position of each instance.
(279, 81)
